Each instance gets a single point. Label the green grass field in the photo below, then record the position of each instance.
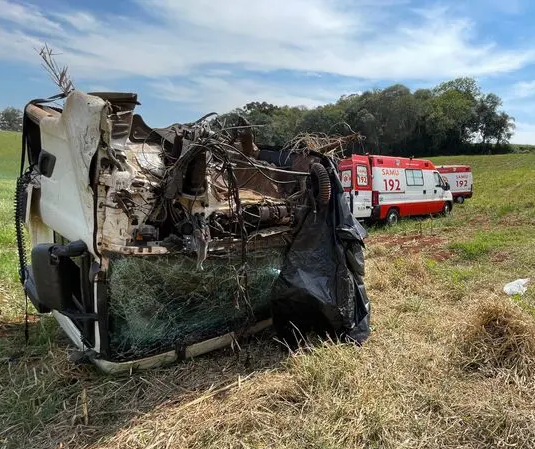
(450, 362)
(10, 297)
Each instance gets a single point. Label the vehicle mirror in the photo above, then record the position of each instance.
(447, 186)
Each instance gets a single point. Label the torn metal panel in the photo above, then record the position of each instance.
(72, 138)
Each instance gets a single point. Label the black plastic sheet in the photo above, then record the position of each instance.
(320, 287)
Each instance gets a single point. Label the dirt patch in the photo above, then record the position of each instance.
(515, 220)
(481, 221)
(405, 239)
(441, 256)
(432, 245)
(499, 256)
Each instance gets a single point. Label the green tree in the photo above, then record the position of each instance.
(11, 119)
(452, 118)
(328, 119)
(492, 125)
(286, 123)
(446, 119)
(466, 86)
(263, 108)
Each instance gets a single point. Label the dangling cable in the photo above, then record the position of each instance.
(20, 210)
(22, 183)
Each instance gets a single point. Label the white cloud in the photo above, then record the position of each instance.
(522, 89)
(524, 133)
(279, 21)
(204, 54)
(19, 46)
(332, 36)
(27, 17)
(79, 20)
(203, 93)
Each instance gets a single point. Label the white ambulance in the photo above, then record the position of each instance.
(460, 178)
(387, 188)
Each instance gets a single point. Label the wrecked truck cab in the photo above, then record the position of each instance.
(150, 245)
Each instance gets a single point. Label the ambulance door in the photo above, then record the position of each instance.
(356, 181)
(470, 182)
(362, 193)
(417, 195)
(439, 193)
(463, 183)
(455, 183)
(346, 178)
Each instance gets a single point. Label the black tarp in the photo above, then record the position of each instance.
(320, 287)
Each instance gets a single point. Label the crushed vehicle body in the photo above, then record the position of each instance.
(149, 245)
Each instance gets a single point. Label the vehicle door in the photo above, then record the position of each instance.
(439, 193)
(417, 191)
(356, 182)
(362, 192)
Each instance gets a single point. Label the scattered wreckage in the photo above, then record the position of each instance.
(150, 245)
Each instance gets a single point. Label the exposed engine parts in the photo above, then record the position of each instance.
(186, 186)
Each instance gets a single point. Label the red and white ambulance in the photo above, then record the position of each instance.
(460, 179)
(387, 188)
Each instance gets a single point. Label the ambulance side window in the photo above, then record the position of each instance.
(362, 175)
(414, 177)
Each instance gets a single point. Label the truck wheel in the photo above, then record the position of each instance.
(392, 217)
(446, 210)
(460, 199)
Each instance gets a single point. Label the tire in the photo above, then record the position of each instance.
(459, 199)
(392, 217)
(446, 210)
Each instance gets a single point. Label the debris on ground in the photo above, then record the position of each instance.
(518, 287)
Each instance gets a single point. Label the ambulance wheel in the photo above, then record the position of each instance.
(392, 217)
(460, 199)
(446, 210)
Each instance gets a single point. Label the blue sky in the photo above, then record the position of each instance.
(188, 57)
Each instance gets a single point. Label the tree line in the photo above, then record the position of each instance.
(452, 118)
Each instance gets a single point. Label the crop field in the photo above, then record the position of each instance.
(450, 362)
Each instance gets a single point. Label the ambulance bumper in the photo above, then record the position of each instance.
(463, 194)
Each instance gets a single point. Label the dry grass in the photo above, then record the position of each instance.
(449, 364)
(53, 402)
(499, 337)
(323, 143)
(59, 76)
(407, 387)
